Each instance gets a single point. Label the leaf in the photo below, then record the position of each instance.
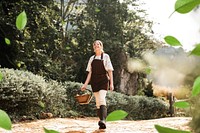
(116, 115)
(161, 129)
(1, 76)
(196, 87)
(185, 6)
(172, 41)
(49, 131)
(41, 104)
(5, 121)
(196, 50)
(21, 21)
(67, 48)
(97, 10)
(7, 41)
(181, 104)
(148, 70)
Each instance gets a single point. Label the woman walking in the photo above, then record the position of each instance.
(100, 76)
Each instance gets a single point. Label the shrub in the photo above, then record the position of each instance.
(195, 113)
(138, 107)
(72, 89)
(23, 93)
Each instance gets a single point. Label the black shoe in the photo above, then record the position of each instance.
(102, 125)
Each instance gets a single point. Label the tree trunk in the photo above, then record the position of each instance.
(128, 82)
(125, 82)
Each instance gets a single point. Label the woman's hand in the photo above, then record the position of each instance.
(111, 87)
(83, 88)
(110, 74)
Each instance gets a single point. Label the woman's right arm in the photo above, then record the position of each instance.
(86, 81)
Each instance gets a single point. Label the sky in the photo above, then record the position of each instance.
(185, 27)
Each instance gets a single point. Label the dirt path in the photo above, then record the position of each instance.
(89, 125)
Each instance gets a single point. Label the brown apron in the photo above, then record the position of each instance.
(99, 79)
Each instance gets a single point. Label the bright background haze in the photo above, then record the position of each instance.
(185, 27)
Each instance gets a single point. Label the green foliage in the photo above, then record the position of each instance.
(38, 48)
(118, 27)
(195, 112)
(162, 129)
(5, 121)
(42, 49)
(193, 103)
(7, 41)
(195, 109)
(185, 6)
(22, 92)
(1, 76)
(196, 87)
(137, 107)
(172, 41)
(72, 89)
(147, 70)
(196, 50)
(181, 104)
(116, 115)
(50, 131)
(21, 21)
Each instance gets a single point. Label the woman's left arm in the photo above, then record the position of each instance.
(110, 74)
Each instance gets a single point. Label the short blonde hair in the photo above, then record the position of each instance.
(99, 42)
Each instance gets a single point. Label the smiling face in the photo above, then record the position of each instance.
(98, 46)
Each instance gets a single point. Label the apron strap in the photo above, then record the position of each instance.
(101, 56)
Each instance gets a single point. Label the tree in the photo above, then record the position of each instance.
(121, 31)
(39, 47)
(45, 48)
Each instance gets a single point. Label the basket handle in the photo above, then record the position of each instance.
(89, 91)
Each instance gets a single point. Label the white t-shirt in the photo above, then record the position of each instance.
(106, 61)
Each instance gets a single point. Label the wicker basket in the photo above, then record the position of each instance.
(84, 98)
